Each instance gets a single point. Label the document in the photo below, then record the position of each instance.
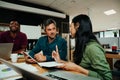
(6, 71)
(50, 64)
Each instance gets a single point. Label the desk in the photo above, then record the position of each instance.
(110, 58)
(113, 56)
(39, 70)
(10, 74)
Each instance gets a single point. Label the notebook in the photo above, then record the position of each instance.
(5, 50)
(27, 75)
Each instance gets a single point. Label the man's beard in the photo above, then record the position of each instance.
(51, 38)
(14, 31)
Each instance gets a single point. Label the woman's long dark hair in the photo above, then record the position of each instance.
(83, 35)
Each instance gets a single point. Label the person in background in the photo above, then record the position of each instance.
(14, 36)
(89, 56)
(46, 44)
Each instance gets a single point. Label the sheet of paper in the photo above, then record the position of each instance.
(6, 71)
(49, 64)
(14, 78)
(26, 66)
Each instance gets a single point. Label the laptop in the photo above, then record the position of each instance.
(5, 50)
(65, 75)
(27, 75)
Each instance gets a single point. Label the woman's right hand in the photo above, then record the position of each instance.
(55, 55)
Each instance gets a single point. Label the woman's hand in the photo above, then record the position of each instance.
(55, 55)
(70, 66)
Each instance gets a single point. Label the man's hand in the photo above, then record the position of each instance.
(28, 59)
(40, 57)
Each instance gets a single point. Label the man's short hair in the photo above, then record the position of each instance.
(49, 21)
(14, 19)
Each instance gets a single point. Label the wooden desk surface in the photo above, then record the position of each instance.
(110, 58)
(114, 56)
(40, 69)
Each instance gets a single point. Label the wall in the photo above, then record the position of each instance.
(32, 32)
(28, 18)
(111, 41)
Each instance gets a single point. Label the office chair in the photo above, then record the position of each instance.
(116, 74)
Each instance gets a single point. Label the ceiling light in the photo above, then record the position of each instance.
(110, 12)
(111, 29)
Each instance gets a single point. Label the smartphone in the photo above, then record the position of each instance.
(30, 56)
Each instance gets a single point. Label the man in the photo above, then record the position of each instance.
(14, 36)
(47, 44)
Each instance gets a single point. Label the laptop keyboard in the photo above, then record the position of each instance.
(55, 77)
(65, 75)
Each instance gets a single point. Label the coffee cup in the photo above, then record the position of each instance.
(114, 48)
(14, 57)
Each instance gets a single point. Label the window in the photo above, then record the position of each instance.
(109, 33)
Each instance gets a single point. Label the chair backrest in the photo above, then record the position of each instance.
(115, 74)
(117, 64)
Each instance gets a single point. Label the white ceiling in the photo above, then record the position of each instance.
(94, 8)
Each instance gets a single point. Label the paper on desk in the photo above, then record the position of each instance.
(26, 66)
(49, 64)
(14, 78)
(6, 71)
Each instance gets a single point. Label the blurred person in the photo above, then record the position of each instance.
(46, 44)
(89, 56)
(14, 36)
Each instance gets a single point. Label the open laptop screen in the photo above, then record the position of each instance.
(5, 50)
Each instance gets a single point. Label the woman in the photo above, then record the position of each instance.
(89, 57)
